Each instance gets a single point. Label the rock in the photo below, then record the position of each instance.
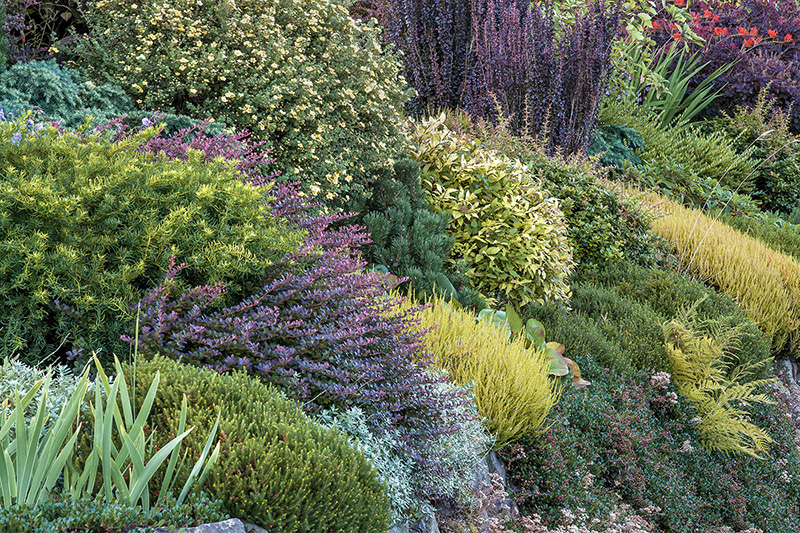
(399, 528)
(234, 525)
(426, 525)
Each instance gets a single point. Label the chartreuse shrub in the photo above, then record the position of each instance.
(700, 369)
(504, 223)
(766, 283)
(632, 439)
(602, 226)
(303, 76)
(511, 385)
(88, 514)
(88, 225)
(276, 467)
(778, 234)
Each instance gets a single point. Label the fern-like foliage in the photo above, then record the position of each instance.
(700, 367)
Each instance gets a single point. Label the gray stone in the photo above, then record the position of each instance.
(402, 527)
(426, 525)
(234, 525)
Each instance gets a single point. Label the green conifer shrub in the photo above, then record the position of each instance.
(277, 467)
(505, 224)
(408, 237)
(616, 145)
(303, 76)
(87, 225)
(61, 94)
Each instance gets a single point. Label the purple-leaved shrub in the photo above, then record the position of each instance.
(318, 327)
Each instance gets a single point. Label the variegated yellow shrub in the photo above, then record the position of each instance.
(505, 224)
(512, 389)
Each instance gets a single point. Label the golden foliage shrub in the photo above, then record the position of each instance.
(511, 385)
(765, 283)
(700, 368)
(505, 224)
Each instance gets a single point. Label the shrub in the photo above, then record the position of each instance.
(3, 38)
(276, 466)
(305, 77)
(768, 289)
(462, 453)
(667, 292)
(602, 226)
(317, 327)
(772, 231)
(512, 389)
(505, 225)
(760, 37)
(508, 58)
(88, 226)
(625, 440)
(63, 514)
(407, 236)
(699, 368)
(762, 131)
(703, 155)
(616, 145)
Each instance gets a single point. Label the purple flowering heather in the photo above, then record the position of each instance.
(318, 327)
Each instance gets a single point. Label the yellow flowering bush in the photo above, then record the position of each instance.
(301, 75)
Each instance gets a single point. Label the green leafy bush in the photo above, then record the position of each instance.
(706, 155)
(602, 226)
(89, 225)
(504, 223)
(277, 467)
(61, 514)
(631, 439)
(303, 76)
(763, 132)
(408, 237)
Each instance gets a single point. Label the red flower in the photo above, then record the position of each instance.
(772, 33)
(715, 18)
(707, 13)
(720, 31)
(788, 38)
(676, 36)
(680, 2)
(753, 31)
(672, 25)
(749, 42)
(742, 31)
(656, 25)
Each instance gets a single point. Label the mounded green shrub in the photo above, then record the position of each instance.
(88, 225)
(776, 233)
(276, 467)
(408, 237)
(303, 76)
(505, 224)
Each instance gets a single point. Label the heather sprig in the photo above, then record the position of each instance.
(318, 328)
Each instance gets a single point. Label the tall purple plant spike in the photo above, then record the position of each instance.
(17, 28)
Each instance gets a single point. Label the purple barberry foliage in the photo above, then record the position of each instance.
(479, 54)
(319, 327)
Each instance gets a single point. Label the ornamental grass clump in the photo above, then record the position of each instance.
(512, 389)
(506, 226)
(303, 76)
(766, 283)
